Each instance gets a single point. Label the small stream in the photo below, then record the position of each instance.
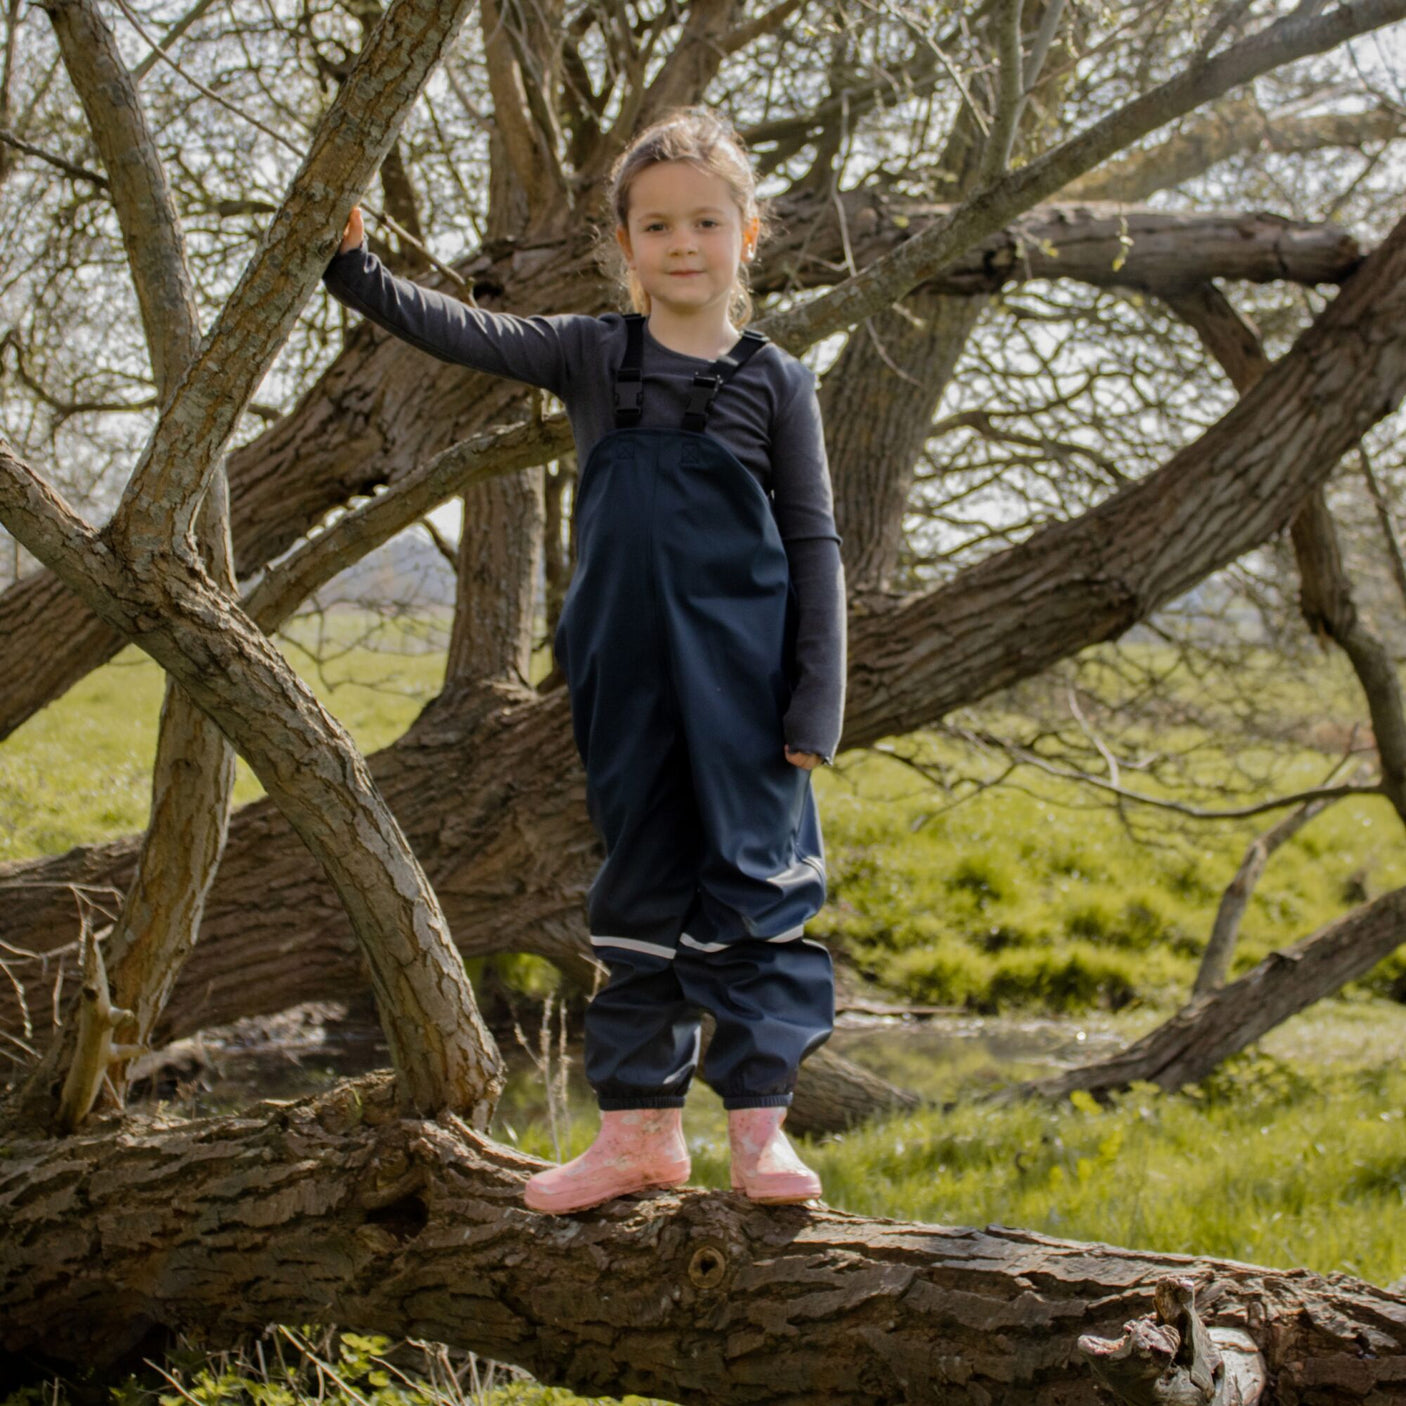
(307, 1049)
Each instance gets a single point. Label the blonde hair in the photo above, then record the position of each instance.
(709, 143)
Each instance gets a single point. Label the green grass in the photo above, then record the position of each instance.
(79, 771)
(1031, 898)
(1266, 1164)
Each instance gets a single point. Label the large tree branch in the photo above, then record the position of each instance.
(284, 587)
(1325, 596)
(193, 779)
(1232, 128)
(151, 231)
(343, 1211)
(1296, 36)
(1222, 1022)
(350, 143)
(530, 146)
(1076, 583)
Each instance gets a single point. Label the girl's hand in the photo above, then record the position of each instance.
(352, 235)
(808, 760)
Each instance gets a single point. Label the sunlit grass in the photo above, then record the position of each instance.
(80, 770)
(1032, 897)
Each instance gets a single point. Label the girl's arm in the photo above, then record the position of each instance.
(537, 350)
(805, 515)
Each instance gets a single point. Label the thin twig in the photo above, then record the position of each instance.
(394, 226)
(1177, 807)
(81, 173)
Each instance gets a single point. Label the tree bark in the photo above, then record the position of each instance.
(878, 402)
(1325, 596)
(383, 409)
(193, 778)
(340, 1210)
(500, 551)
(833, 1093)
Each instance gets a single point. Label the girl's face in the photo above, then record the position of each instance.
(685, 237)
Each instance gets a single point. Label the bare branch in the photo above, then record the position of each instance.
(1293, 37)
(174, 31)
(285, 586)
(1075, 583)
(1383, 511)
(159, 505)
(80, 173)
(1220, 946)
(1010, 94)
(1229, 129)
(1026, 757)
(768, 22)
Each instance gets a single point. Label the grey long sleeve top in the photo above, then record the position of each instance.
(767, 415)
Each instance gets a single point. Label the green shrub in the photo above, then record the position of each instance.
(1074, 978)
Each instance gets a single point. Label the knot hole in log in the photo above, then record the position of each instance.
(402, 1219)
(708, 1267)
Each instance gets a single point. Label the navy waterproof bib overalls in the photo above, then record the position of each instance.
(677, 639)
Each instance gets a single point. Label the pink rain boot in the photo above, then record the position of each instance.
(636, 1149)
(764, 1164)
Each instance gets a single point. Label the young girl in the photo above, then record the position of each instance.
(702, 641)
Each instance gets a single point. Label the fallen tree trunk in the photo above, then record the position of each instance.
(1224, 1021)
(339, 1210)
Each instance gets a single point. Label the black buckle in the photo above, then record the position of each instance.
(629, 395)
(706, 385)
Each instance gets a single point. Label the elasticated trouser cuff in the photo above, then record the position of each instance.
(618, 1105)
(757, 1101)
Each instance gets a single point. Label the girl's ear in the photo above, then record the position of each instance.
(622, 238)
(749, 236)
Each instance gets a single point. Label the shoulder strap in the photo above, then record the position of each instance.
(629, 379)
(707, 384)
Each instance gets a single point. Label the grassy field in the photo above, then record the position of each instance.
(1018, 901)
(1025, 896)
